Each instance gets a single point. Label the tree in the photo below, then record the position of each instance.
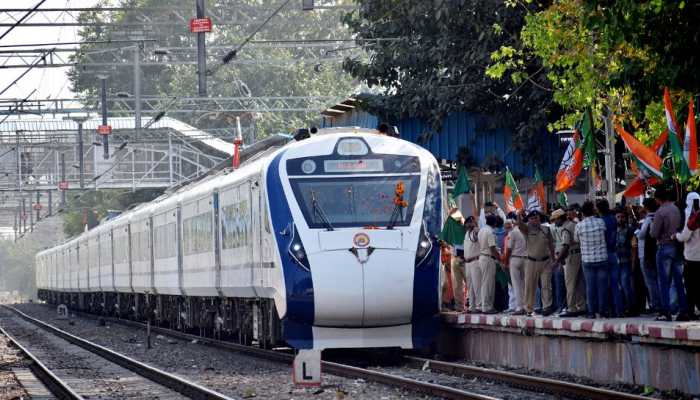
(613, 56)
(92, 206)
(427, 59)
(275, 69)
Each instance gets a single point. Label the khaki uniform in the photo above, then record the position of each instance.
(459, 276)
(487, 267)
(516, 265)
(537, 266)
(573, 275)
(471, 255)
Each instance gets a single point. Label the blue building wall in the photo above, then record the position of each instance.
(463, 129)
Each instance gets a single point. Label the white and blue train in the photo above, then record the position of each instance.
(306, 245)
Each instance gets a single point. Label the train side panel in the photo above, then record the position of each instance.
(93, 262)
(236, 236)
(122, 259)
(140, 236)
(106, 261)
(165, 242)
(198, 268)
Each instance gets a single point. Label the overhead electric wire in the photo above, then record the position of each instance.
(74, 43)
(17, 106)
(42, 58)
(232, 54)
(25, 16)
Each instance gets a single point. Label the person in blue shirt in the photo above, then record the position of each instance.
(603, 208)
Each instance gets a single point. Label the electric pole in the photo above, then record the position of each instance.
(103, 104)
(201, 53)
(137, 89)
(610, 161)
(80, 157)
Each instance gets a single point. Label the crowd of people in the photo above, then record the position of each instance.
(583, 261)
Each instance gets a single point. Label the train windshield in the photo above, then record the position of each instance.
(355, 201)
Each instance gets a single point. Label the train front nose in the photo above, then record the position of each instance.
(362, 279)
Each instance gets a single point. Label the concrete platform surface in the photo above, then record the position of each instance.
(644, 329)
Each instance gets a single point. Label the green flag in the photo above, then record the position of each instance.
(562, 200)
(453, 232)
(680, 168)
(589, 147)
(463, 185)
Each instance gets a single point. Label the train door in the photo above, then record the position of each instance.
(255, 231)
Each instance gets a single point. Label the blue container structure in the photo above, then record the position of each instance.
(460, 129)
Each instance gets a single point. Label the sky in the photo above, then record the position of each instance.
(49, 82)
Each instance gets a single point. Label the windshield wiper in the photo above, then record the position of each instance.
(318, 211)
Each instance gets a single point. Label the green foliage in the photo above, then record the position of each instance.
(17, 265)
(93, 206)
(430, 58)
(614, 57)
(281, 71)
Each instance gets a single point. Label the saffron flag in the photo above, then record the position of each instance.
(514, 202)
(670, 116)
(571, 165)
(690, 144)
(536, 200)
(462, 185)
(646, 156)
(638, 169)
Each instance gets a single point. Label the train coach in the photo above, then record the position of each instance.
(327, 242)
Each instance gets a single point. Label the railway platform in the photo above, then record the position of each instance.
(638, 351)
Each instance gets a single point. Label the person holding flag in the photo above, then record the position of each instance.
(453, 233)
(537, 200)
(511, 195)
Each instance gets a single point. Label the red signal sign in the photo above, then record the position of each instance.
(199, 25)
(104, 129)
(37, 206)
(63, 185)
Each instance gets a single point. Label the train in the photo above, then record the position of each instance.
(325, 242)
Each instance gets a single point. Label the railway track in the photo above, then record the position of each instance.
(53, 383)
(557, 388)
(74, 368)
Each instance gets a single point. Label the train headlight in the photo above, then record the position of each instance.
(425, 245)
(296, 250)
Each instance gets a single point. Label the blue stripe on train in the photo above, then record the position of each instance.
(426, 308)
(296, 325)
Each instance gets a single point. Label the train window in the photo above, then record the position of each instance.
(164, 237)
(121, 249)
(197, 233)
(358, 201)
(236, 227)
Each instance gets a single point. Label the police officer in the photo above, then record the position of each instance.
(538, 266)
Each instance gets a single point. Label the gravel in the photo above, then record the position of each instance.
(235, 375)
(476, 385)
(91, 376)
(11, 358)
(639, 390)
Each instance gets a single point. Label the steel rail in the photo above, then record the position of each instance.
(552, 386)
(347, 371)
(513, 379)
(56, 385)
(182, 386)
